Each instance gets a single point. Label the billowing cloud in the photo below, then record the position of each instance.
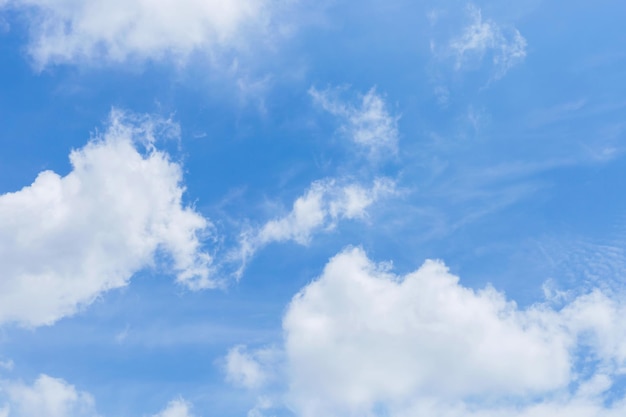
(481, 37)
(360, 340)
(322, 206)
(50, 397)
(64, 240)
(368, 123)
(116, 30)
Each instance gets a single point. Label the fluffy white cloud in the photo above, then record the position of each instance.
(320, 208)
(176, 408)
(115, 30)
(48, 397)
(507, 48)
(368, 124)
(65, 240)
(362, 341)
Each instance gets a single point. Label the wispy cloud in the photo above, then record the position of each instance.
(582, 260)
(481, 37)
(368, 122)
(321, 207)
(262, 405)
(479, 40)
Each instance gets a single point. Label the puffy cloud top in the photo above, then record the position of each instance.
(66, 239)
(360, 340)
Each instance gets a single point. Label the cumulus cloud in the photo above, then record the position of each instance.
(64, 240)
(368, 123)
(116, 30)
(323, 205)
(50, 397)
(361, 340)
(176, 408)
(481, 37)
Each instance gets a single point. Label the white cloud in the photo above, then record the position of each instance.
(507, 48)
(64, 240)
(54, 397)
(48, 397)
(116, 30)
(362, 341)
(320, 208)
(371, 127)
(245, 369)
(176, 408)
(368, 124)
(324, 203)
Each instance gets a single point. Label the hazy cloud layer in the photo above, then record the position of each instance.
(101, 31)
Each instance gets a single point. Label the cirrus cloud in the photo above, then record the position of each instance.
(368, 124)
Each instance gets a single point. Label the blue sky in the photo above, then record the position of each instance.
(272, 208)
